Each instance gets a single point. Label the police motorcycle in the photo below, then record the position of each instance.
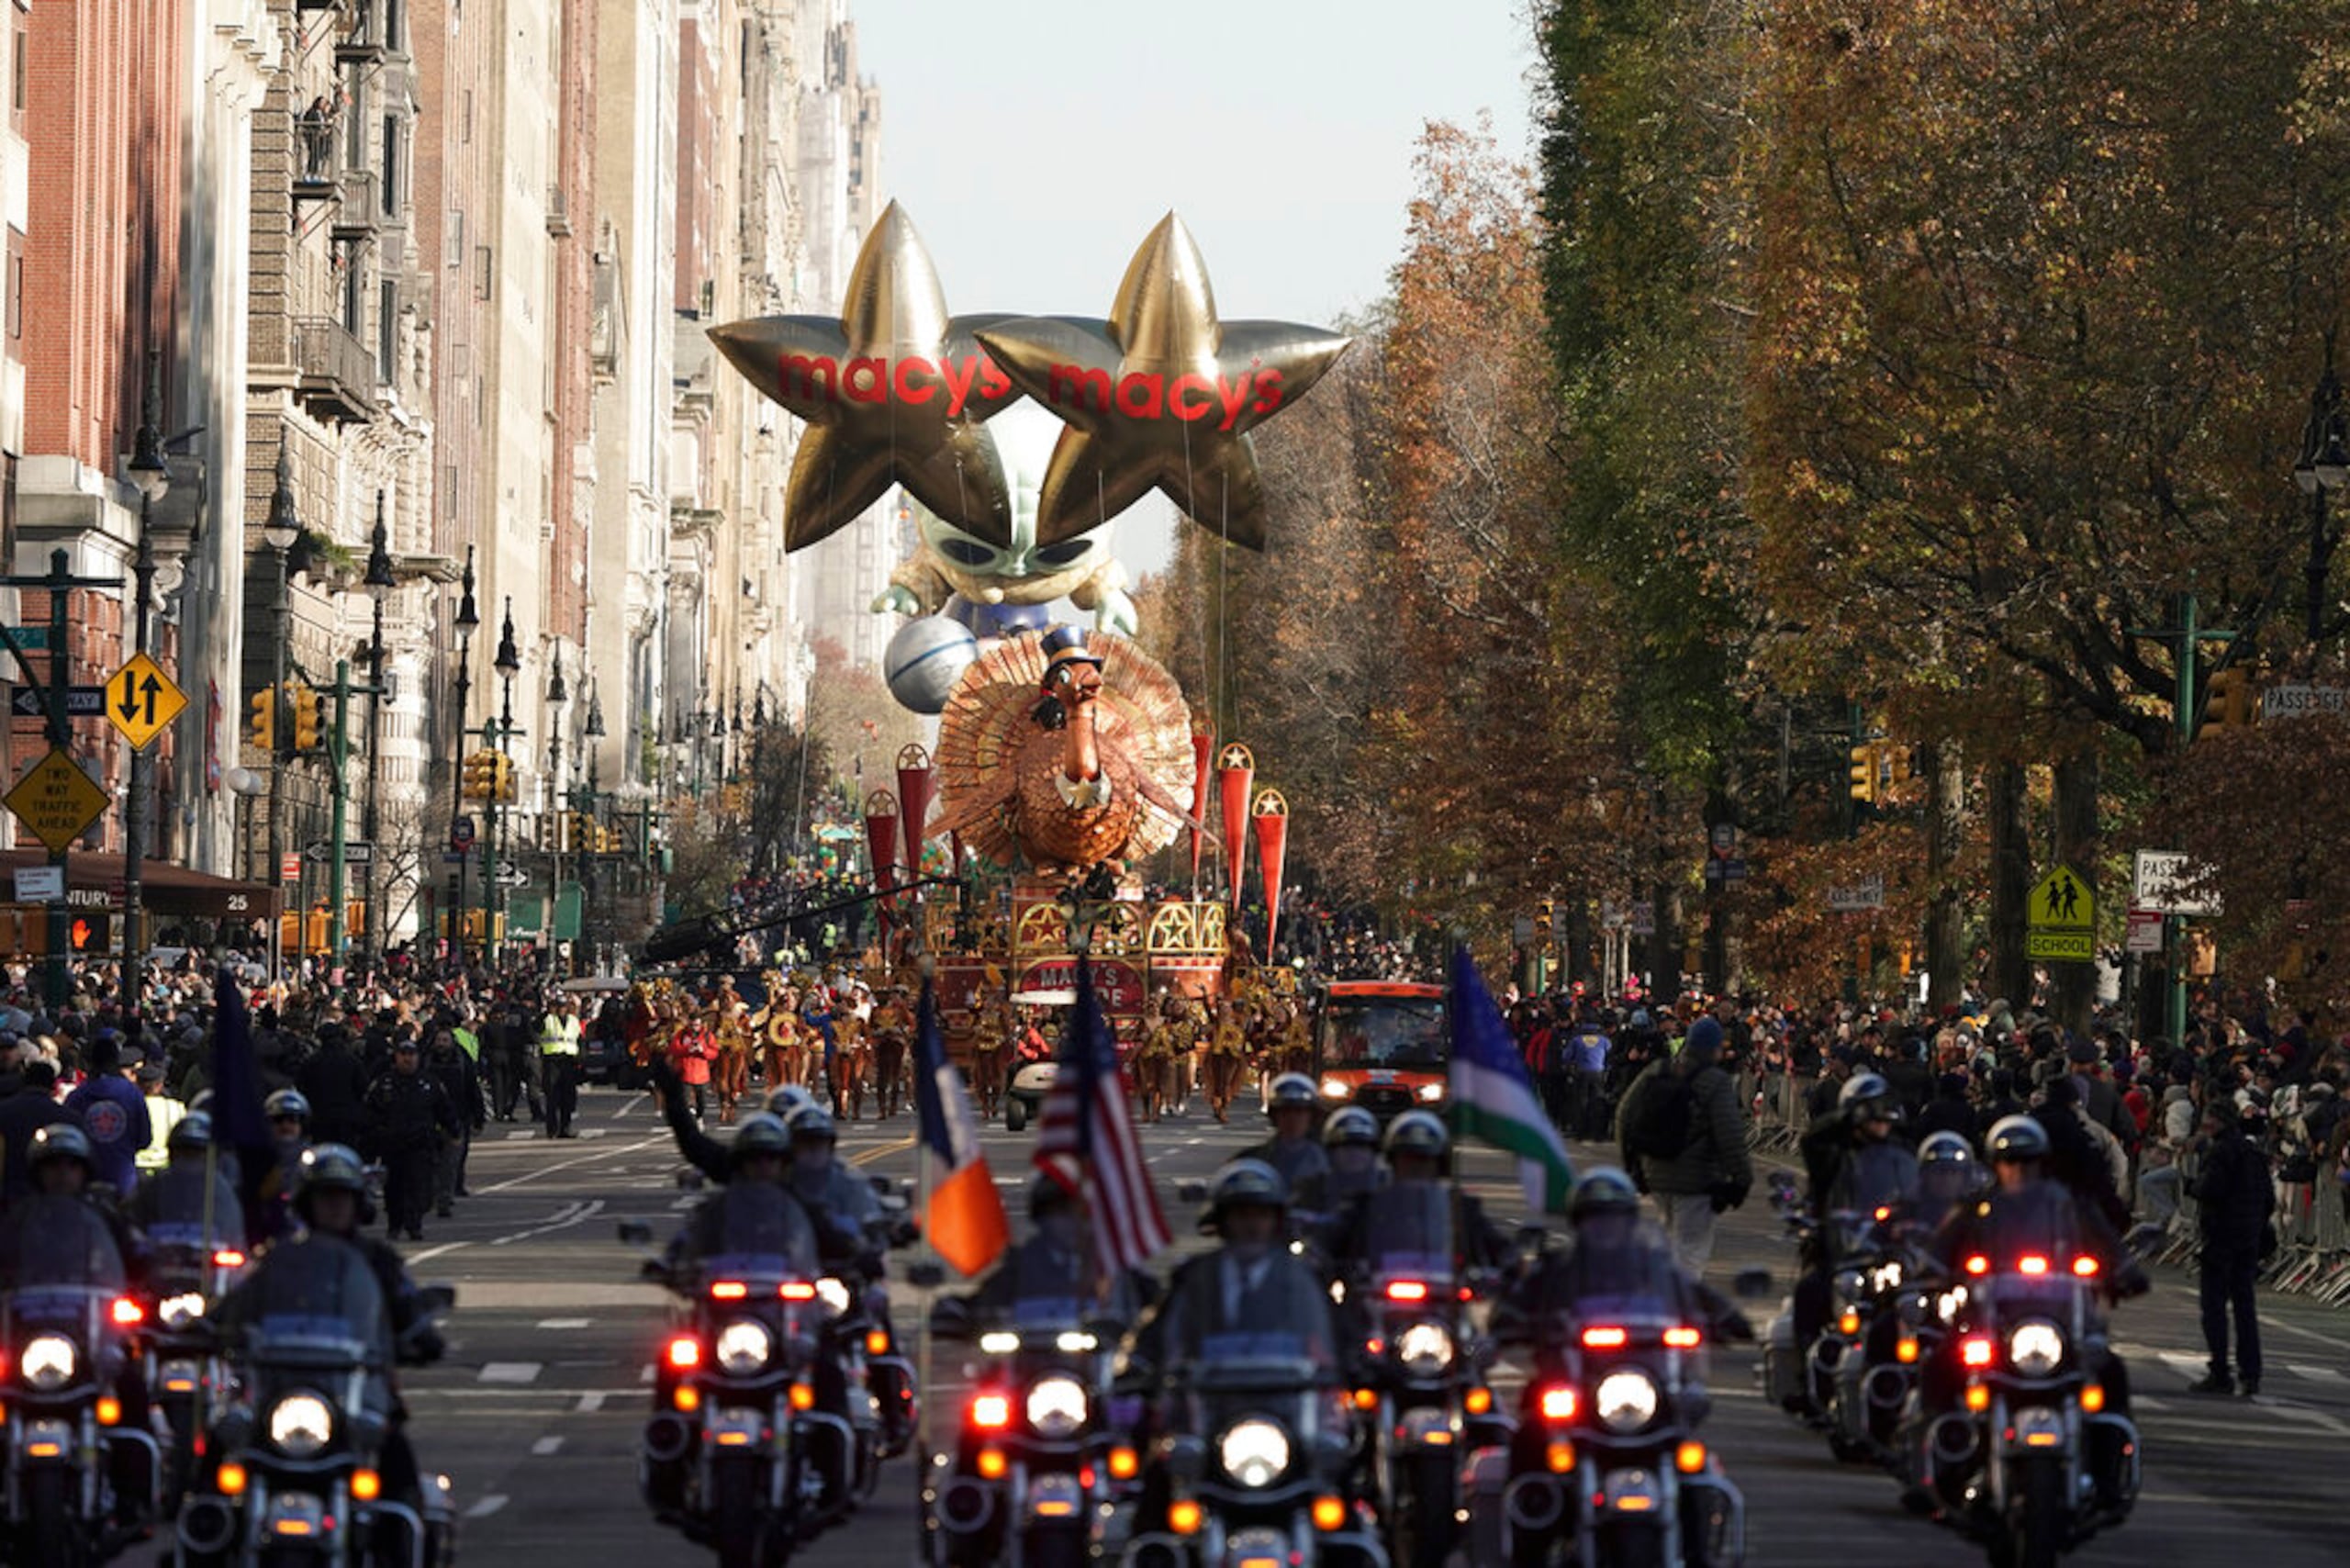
(1605, 1465)
(82, 1479)
(1886, 1317)
(295, 1466)
(2022, 1447)
(1251, 1463)
(1035, 1457)
(1422, 1398)
(738, 1455)
(191, 1264)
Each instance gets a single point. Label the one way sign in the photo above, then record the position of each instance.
(81, 701)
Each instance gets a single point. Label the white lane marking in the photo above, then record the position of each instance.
(2315, 1374)
(628, 1106)
(645, 1372)
(486, 1506)
(591, 1402)
(564, 1165)
(516, 1135)
(2148, 1402)
(546, 1446)
(416, 1258)
(511, 1372)
(563, 1322)
(566, 1217)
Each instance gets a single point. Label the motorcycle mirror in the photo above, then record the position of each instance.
(1752, 1283)
(928, 1276)
(636, 1233)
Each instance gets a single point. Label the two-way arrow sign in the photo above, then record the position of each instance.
(140, 700)
(81, 701)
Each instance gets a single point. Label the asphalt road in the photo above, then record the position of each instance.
(535, 1411)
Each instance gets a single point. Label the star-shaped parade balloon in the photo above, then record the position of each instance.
(895, 391)
(1162, 395)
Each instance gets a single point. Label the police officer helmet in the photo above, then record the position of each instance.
(1418, 1132)
(286, 1102)
(59, 1140)
(1246, 1181)
(191, 1134)
(328, 1168)
(1866, 1095)
(1945, 1149)
(1291, 1090)
(783, 1102)
(759, 1133)
(1604, 1190)
(2017, 1138)
(1350, 1126)
(810, 1124)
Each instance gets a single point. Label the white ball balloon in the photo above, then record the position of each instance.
(924, 660)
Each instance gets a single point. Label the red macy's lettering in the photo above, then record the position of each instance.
(1147, 395)
(873, 379)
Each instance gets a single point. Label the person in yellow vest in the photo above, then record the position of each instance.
(164, 1114)
(559, 1062)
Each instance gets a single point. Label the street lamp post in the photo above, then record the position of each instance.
(379, 584)
(508, 664)
(558, 695)
(149, 473)
(468, 620)
(279, 531)
(590, 733)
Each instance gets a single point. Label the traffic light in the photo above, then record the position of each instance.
(310, 717)
(504, 774)
(481, 775)
(730, 799)
(2228, 701)
(1897, 765)
(1863, 774)
(265, 719)
(545, 833)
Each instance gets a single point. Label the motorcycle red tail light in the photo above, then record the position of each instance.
(728, 1290)
(796, 1290)
(991, 1412)
(1558, 1404)
(685, 1353)
(227, 1257)
(1407, 1289)
(1975, 1352)
(2085, 1268)
(1605, 1339)
(1684, 1338)
(1979, 1264)
(2031, 1263)
(127, 1313)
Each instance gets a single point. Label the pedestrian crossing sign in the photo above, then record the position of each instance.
(2060, 922)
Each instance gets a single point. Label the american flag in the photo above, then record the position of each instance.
(1086, 1140)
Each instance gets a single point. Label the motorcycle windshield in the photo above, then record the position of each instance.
(1283, 1338)
(312, 1299)
(1409, 1231)
(1621, 1270)
(758, 1229)
(57, 1243)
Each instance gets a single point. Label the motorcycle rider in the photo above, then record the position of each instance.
(1292, 1107)
(330, 1201)
(1054, 1264)
(1856, 1164)
(61, 1163)
(2027, 1208)
(270, 1210)
(1350, 1145)
(175, 1194)
(1416, 1147)
(1948, 1175)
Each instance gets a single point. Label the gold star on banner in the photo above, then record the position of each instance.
(1162, 395)
(896, 390)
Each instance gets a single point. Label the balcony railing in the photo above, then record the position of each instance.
(358, 215)
(338, 373)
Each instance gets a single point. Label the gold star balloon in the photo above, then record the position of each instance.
(895, 391)
(1162, 395)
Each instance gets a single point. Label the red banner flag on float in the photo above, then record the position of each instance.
(1270, 818)
(916, 783)
(1203, 762)
(1235, 771)
(881, 841)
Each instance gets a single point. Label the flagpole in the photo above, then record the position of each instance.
(933, 1268)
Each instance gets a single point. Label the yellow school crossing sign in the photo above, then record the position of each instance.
(141, 701)
(2060, 925)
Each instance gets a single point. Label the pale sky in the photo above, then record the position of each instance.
(1035, 143)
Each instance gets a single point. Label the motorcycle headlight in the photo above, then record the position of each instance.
(1056, 1407)
(833, 1294)
(1625, 1400)
(1333, 1089)
(179, 1311)
(1431, 1093)
(299, 1425)
(1425, 1349)
(2036, 1347)
(49, 1361)
(1948, 1304)
(1254, 1452)
(1887, 1278)
(742, 1346)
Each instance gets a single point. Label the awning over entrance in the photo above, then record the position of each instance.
(93, 881)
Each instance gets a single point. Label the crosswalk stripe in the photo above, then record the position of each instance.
(511, 1372)
(2316, 1374)
(546, 1446)
(486, 1506)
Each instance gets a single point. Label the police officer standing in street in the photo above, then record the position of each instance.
(559, 1062)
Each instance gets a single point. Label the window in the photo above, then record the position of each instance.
(457, 242)
(483, 273)
(16, 290)
(386, 316)
(390, 198)
(465, 127)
